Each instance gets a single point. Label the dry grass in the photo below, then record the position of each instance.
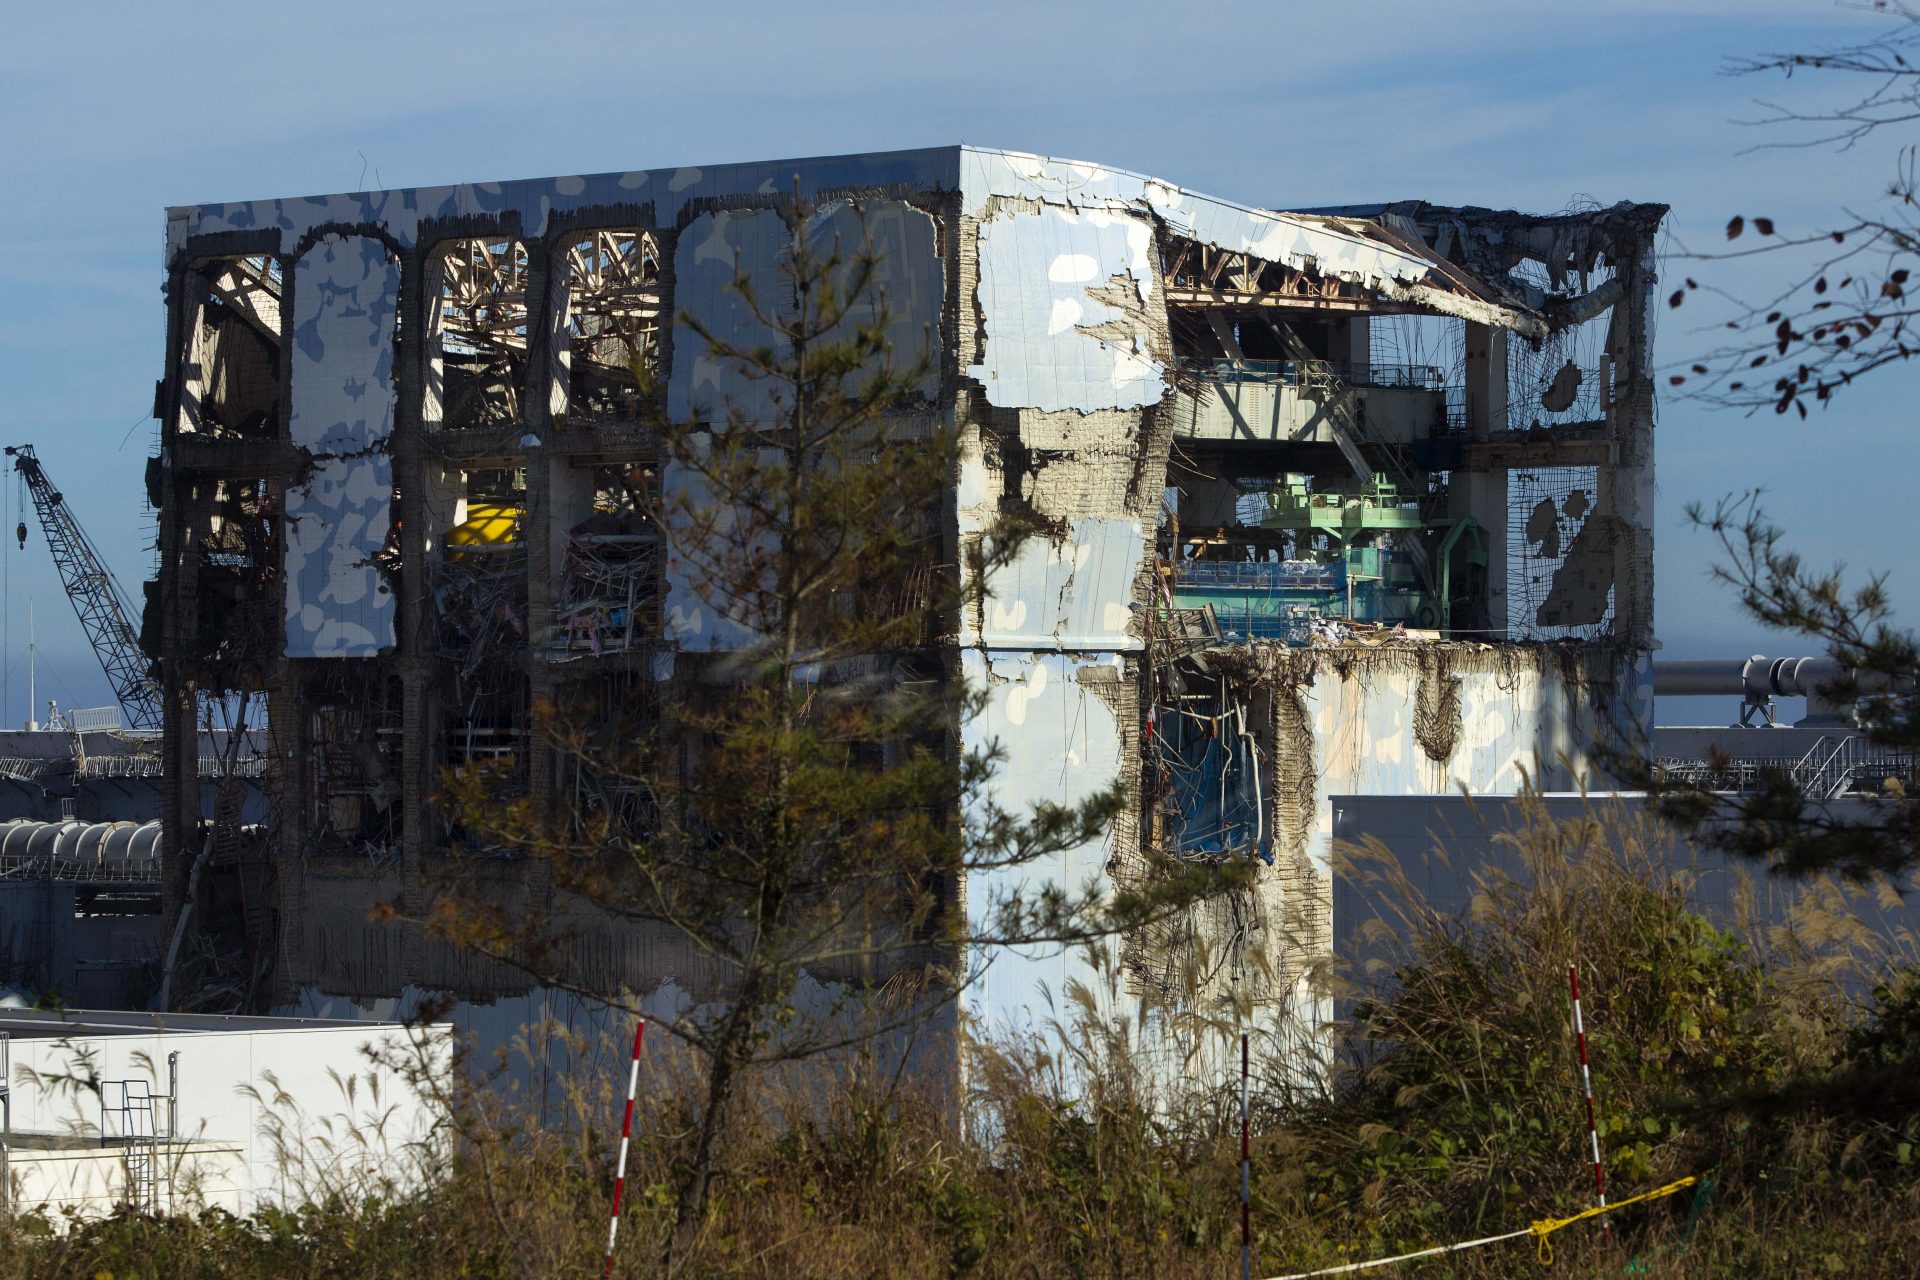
(1763, 1054)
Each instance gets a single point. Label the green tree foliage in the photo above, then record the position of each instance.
(1836, 309)
(1778, 820)
(1839, 306)
(1737, 1051)
(798, 807)
(1465, 1114)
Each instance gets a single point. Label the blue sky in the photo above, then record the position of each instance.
(113, 111)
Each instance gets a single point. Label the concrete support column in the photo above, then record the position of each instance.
(179, 797)
(417, 403)
(546, 320)
(1358, 353)
(570, 492)
(1486, 350)
(1626, 488)
(290, 806)
(174, 814)
(419, 755)
(179, 699)
(1483, 495)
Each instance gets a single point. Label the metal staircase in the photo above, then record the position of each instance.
(1835, 765)
(1827, 771)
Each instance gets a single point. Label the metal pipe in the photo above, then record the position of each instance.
(113, 850)
(173, 1094)
(1714, 678)
(1756, 677)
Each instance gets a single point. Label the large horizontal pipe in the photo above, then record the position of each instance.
(103, 846)
(1758, 677)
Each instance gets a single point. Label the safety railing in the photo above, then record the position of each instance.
(1269, 575)
(1407, 377)
(1833, 766)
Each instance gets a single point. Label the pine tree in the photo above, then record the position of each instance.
(810, 810)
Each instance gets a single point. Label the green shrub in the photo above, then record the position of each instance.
(1457, 1115)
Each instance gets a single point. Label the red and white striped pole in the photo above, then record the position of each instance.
(626, 1134)
(1586, 1085)
(1246, 1172)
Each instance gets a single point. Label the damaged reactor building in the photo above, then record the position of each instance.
(1336, 501)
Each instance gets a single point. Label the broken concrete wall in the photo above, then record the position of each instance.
(1037, 289)
(1088, 484)
(1585, 385)
(1063, 332)
(1058, 272)
(1064, 296)
(353, 264)
(1406, 720)
(346, 293)
(1062, 724)
(1299, 241)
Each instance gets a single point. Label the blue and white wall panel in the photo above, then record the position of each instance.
(346, 291)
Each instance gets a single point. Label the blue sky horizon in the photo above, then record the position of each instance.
(118, 112)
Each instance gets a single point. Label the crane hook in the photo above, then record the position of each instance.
(20, 532)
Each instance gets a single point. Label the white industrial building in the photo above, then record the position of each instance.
(178, 1112)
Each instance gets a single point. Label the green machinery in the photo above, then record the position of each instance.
(1339, 515)
(1360, 557)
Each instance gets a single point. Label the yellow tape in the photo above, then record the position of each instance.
(1540, 1229)
(1545, 1227)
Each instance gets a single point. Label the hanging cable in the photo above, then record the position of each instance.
(1259, 800)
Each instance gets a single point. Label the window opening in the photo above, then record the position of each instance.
(480, 334)
(231, 387)
(612, 341)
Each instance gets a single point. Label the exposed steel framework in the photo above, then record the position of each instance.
(96, 594)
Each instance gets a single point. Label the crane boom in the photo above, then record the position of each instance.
(95, 592)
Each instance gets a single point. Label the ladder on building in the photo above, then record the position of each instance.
(128, 1120)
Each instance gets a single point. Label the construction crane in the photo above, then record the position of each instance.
(95, 593)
